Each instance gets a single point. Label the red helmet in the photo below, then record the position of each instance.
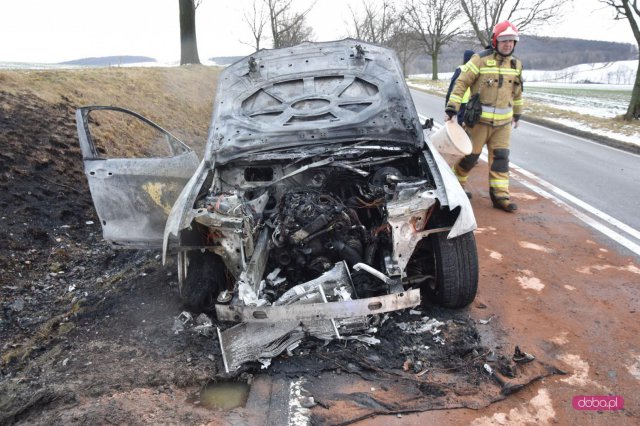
(503, 31)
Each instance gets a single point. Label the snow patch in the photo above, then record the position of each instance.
(529, 282)
(522, 196)
(539, 411)
(494, 254)
(482, 230)
(569, 287)
(589, 269)
(560, 339)
(533, 246)
(580, 376)
(634, 369)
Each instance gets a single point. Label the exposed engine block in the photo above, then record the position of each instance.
(313, 231)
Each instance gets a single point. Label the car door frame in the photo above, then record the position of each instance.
(133, 196)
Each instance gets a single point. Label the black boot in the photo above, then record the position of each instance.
(503, 203)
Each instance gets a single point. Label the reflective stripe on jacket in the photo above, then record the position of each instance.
(498, 80)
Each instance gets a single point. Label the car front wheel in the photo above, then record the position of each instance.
(205, 278)
(455, 271)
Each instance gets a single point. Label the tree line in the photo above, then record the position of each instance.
(413, 28)
(536, 53)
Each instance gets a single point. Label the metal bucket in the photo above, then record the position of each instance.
(452, 139)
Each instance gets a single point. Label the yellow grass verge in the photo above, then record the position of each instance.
(180, 99)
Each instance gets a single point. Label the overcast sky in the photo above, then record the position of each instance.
(51, 31)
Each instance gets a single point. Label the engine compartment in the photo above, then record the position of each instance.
(279, 226)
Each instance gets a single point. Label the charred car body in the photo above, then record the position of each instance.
(318, 202)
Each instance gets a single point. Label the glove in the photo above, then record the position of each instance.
(450, 112)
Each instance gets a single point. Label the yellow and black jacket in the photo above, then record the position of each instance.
(498, 79)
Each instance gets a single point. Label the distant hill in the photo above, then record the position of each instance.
(108, 61)
(225, 60)
(539, 53)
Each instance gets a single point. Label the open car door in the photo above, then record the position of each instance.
(133, 192)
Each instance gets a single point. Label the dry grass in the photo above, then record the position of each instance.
(179, 99)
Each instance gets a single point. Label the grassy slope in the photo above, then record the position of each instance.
(178, 99)
(42, 183)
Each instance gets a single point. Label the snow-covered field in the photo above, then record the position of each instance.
(606, 96)
(598, 101)
(619, 73)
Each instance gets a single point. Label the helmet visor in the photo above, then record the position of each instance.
(508, 37)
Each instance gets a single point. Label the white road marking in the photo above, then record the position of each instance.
(298, 415)
(615, 236)
(612, 221)
(535, 183)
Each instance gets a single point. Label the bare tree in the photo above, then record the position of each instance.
(483, 15)
(376, 23)
(188, 40)
(630, 10)
(256, 18)
(287, 27)
(433, 23)
(296, 32)
(380, 22)
(406, 44)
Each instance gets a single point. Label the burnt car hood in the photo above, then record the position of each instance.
(316, 94)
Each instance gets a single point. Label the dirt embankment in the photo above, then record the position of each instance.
(58, 280)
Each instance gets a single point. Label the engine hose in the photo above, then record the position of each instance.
(370, 252)
(365, 236)
(349, 254)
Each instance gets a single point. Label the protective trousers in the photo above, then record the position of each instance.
(497, 141)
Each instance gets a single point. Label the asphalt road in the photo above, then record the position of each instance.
(604, 178)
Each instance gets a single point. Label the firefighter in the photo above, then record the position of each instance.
(463, 104)
(495, 79)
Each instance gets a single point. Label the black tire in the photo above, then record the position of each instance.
(205, 279)
(455, 281)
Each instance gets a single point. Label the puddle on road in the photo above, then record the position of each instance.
(223, 395)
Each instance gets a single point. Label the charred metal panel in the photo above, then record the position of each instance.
(315, 93)
(266, 332)
(320, 311)
(133, 197)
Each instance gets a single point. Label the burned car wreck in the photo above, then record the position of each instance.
(318, 203)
